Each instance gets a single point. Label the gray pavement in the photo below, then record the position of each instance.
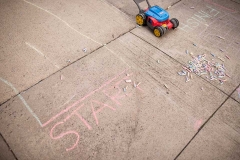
(79, 80)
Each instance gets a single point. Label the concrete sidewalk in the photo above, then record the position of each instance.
(79, 80)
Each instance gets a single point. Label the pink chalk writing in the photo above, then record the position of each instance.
(111, 89)
(117, 96)
(79, 116)
(64, 134)
(97, 111)
(80, 100)
(218, 5)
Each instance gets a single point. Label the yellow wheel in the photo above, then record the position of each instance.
(158, 31)
(141, 19)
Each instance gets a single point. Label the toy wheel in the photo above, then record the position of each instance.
(141, 19)
(158, 31)
(164, 29)
(175, 22)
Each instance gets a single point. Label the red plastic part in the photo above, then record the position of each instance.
(155, 23)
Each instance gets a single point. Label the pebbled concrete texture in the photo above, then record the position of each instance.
(130, 8)
(220, 138)
(127, 123)
(236, 94)
(201, 26)
(123, 97)
(6, 154)
(49, 36)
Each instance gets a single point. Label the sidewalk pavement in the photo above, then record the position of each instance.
(79, 80)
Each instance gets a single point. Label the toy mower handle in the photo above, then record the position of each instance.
(139, 1)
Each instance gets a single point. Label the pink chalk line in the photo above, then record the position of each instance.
(64, 134)
(218, 5)
(80, 100)
(197, 124)
(79, 116)
(103, 106)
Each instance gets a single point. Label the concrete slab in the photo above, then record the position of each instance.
(237, 1)
(40, 37)
(202, 26)
(5, 153)
(236, 94)
(220, 138)
(130, 8)
(84, 112)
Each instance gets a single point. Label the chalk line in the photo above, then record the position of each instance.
(64, 134)
(31, 46)
(68, 101)
(117, 56)
(83, 98)
(75, 29)
(22, 99)
(218, 5)
(35, 49)
(63, 22)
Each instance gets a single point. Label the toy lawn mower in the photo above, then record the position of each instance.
(155, 18)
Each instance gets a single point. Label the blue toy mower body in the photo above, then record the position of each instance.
(155, 18)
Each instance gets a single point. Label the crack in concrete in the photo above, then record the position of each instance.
(180, 63)
(235, 1)
(68, 65)
(174, 3)
(9, 147)
(204, 124)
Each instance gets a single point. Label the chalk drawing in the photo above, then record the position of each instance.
(103, 106)
(225, 28)
(68, 101)
(119, 94)
(31, 46)
(116, 96)
(79, 116)
(117, 56)
(64, 134)
(62, 21)
(22, 99)
(220, 6)
(68, 25)
(96, 105)
(199, 18)
(82, 99)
